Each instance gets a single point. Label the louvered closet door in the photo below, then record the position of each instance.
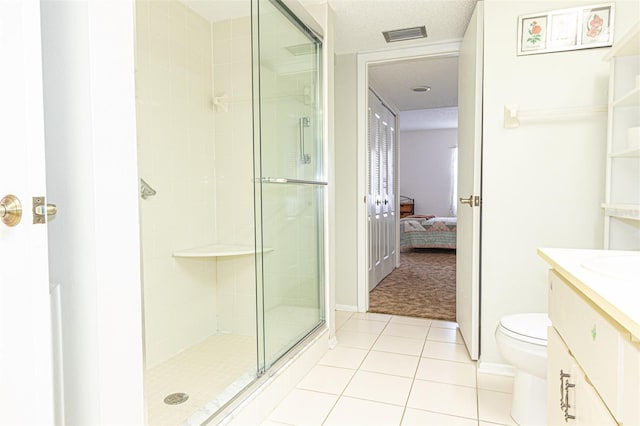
(381, 190)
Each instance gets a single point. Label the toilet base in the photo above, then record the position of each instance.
(529, 402)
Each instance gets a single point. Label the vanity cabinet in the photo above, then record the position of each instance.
(570, 396)
(622, 190)
(593, 347)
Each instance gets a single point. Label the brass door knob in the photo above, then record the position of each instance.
(10, 210)
(467, 200)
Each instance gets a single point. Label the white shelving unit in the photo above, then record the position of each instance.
(622, 191)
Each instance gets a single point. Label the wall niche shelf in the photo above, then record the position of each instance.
(218, 250)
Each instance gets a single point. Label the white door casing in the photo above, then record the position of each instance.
(470, 75)
(26, 377)
(440, 50)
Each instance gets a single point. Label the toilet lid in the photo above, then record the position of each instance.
(527, 327)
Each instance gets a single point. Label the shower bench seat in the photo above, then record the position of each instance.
(218, 250)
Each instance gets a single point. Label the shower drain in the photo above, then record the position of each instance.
(176, 398)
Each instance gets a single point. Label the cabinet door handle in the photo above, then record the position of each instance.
(567, 386)
(563, 375)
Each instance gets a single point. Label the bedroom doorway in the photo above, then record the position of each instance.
(424, 93)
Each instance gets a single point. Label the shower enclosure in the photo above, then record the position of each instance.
(232, 193)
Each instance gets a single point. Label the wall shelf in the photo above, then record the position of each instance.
(218, 250)
(624, 211)
(622, 170)
(628, 153)
(630, 99)
(629, 45)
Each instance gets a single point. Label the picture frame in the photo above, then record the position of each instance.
(561, 30)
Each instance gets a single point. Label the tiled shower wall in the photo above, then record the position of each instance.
(236, 291)
(176, 152)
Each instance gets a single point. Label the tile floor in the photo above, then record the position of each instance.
(392, 370)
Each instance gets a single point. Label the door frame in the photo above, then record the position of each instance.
(435, 50)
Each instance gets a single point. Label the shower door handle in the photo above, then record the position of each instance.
(304, 122)
(298, 181)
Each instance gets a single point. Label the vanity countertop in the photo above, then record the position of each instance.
(608, 278)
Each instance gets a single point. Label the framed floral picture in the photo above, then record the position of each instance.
(567, 29)
(534, 33)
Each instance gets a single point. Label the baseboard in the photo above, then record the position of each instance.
(347, 308)
(496, 368)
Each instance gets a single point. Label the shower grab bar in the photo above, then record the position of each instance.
(146, 190)
(285, 180)
(304, 122)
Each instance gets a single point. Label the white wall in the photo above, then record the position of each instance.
(542, 183)
(425, 169)
(176, 157)
(346, 180)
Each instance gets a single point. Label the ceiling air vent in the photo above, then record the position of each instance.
(405, 34)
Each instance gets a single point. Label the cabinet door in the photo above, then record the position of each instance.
(589, 408)
(578, 403)
(559, 363)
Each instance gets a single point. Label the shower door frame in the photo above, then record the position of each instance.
(263, 361)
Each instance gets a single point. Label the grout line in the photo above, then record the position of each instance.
(357, 369)
(413, 381)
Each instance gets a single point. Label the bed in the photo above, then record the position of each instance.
(427, 232)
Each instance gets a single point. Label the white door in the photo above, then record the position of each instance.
(26, 380)
(381, 191)
(469, 175)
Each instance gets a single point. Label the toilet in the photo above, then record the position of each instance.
(522, 342)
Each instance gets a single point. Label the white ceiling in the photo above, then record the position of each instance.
(359, 24)
(394, 82)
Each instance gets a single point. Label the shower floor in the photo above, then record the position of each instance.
(204, 372)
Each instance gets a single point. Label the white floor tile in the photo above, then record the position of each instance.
(443, 398)
(406, 330)
(390, 363)
(371, 316)
(389, 370)
(363, 326)
(444, 324)
(379, 387)
(344, 357)
(449, 335)
(323, 378)
(451, 372)
(495, 407)
(446, 351)
(354, 339)
(495, 382)
(399, 345)
(413, 417)
(411, 321)
(341, 318)
(352, 411)
(302, 407)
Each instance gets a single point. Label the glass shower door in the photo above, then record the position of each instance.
(290, 185)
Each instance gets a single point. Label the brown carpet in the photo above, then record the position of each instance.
(423, 286)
